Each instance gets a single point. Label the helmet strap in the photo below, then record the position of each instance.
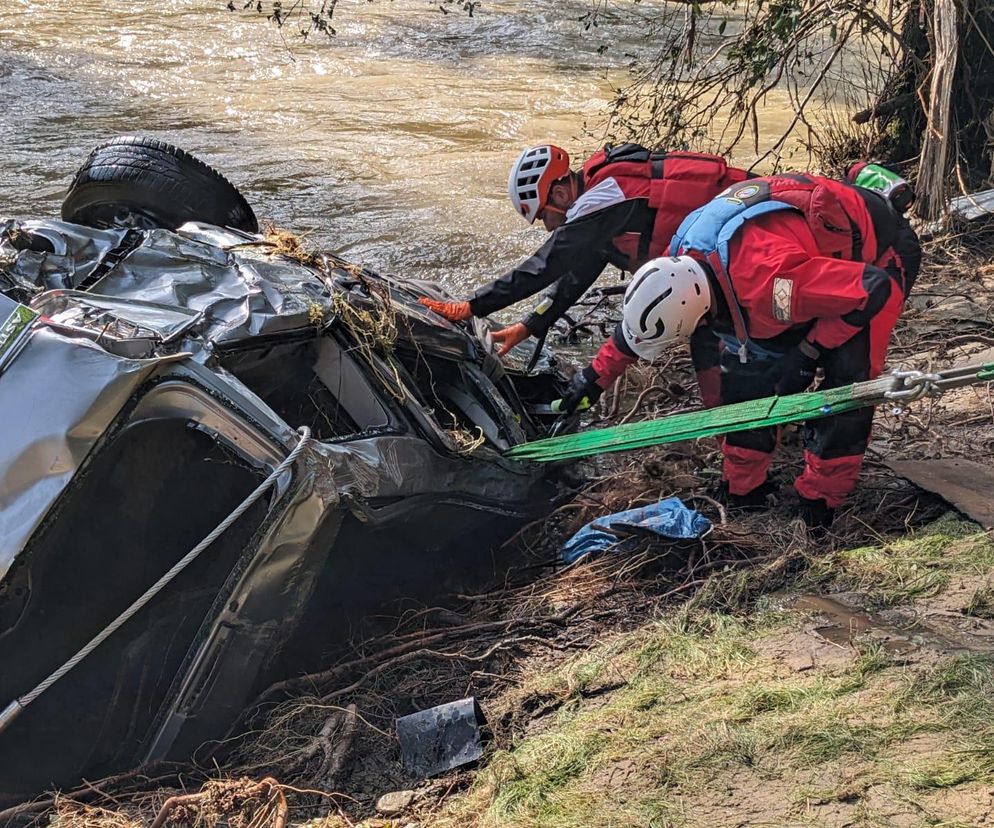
(574, 186)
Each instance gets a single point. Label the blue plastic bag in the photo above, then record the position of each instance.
(668, 518)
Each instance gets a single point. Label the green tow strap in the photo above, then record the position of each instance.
(769, 411)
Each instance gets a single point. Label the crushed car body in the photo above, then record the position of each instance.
(149, 381)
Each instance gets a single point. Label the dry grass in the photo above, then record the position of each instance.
(685, 705)
(288, 244)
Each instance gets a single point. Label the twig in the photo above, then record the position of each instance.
(711, 501)
(336, 758)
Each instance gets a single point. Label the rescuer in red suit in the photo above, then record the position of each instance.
(621, 208)
(790, 273)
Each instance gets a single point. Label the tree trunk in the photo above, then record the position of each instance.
(940, 105)
(957, 152)
(939, 141)
(973, 93)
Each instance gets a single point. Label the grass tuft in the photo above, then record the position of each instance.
(981, 604)
(919, 565)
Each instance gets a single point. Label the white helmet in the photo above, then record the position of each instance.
(665, 301)
(532, 177)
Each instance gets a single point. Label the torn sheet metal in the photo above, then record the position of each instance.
(49, 255)
(973, 206)
(965, 484)
(441, 738)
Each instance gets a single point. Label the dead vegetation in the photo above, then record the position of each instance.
(607, 695)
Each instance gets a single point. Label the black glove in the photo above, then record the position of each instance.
(583, 392)
(795, 370)
(816, 514)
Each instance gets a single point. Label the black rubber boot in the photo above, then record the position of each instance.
(816, 514)
(752, 501)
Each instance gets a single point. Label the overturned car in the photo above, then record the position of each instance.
(150, 380)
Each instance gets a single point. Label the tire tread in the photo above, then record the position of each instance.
(150, 174)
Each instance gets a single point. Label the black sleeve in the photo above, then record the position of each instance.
(876, 283)
(574, 255)
(563, 294)
(909, 249)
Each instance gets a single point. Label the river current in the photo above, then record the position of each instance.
(389, 143)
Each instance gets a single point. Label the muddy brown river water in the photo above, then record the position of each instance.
(389, 144)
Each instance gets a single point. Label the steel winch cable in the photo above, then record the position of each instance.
(12, 710)
(900, 387)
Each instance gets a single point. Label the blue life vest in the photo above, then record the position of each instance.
(710, 228)
(707, 232)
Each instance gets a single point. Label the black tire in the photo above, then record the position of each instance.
(148, 184)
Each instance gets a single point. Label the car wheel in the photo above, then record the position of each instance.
(145, 183)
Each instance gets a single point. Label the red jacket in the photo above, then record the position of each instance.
(633, 200)
(828, 262)
(793, 257)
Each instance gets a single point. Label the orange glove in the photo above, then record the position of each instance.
(510, 336)
(453, 311)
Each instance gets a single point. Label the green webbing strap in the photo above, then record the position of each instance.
(770, 411)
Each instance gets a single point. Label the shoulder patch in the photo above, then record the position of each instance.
(749, 193)
(783, 290)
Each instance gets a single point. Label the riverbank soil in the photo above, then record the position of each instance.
(757, 677)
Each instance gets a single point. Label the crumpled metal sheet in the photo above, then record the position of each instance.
(78, 253)
(240, 293)
(239, 288)
(47, 436)
(238, 285)
(81, 309)
(380, 467)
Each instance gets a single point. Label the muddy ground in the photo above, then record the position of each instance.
(849, 668)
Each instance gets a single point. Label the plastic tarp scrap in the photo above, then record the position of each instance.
(668, 519)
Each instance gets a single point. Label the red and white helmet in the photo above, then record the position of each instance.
(533, 175)
(665, 301)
